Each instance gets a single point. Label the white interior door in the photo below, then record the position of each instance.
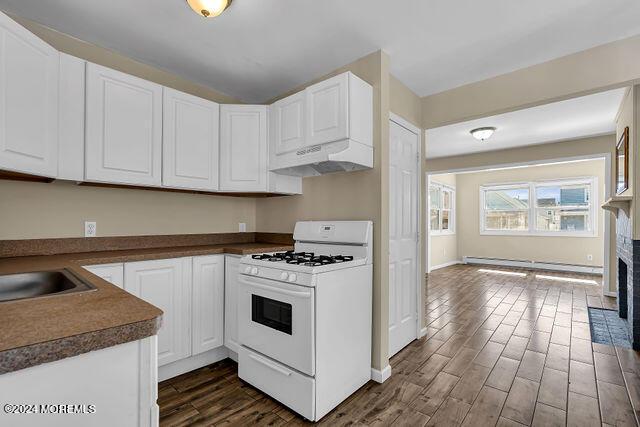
(403, 236)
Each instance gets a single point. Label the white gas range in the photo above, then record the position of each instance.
(304, 317)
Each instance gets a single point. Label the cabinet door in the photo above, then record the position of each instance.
(166, 284)
(124, 128)
(189, 141)
(207, 303)
(28, 101)
(112, 273)
(287, 123)
(243, 148)
(327, 110)
(232, 264)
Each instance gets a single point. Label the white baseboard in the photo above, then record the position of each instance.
(179, 367)
(423, 332)
(534, 265)
(446, 264)
(610, 294)
(381, 376)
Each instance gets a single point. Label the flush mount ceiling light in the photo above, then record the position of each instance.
(482, 134)
(209, 8)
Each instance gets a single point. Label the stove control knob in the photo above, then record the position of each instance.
(247, 270)
(284, 276)
(293, 277)
(254, 271)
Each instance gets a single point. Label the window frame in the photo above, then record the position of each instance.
(532, 230)
(452, 209)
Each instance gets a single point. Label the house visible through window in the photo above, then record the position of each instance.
(441, 209)
(559, 207)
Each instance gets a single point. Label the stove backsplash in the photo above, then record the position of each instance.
(628, 279)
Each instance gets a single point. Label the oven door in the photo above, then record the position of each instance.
(277, 320)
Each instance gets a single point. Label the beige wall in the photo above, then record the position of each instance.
(611, 65)
(351, 196)
(565, 250)
(535, 154)
(37, 210)
(444, 248)
(405, 103)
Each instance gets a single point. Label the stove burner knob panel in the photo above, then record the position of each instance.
(254, 271)
(293, 277)
(284, 275)
(247, 270)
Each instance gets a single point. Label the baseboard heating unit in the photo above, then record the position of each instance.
(533, 265)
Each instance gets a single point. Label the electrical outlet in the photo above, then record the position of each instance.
(590, 257)
(89, 229)
(242, 227)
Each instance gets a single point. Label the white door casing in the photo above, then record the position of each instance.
(29, 69)
(404, 176)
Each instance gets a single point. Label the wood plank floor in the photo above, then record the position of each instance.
(500, 349)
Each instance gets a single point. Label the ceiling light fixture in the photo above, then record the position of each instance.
(484, 133)
(209, 8)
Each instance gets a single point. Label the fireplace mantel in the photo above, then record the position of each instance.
(614, 204)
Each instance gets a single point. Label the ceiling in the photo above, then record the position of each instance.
(259, 49)
(571, 119)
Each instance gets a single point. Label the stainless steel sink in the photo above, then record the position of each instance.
(41, 283)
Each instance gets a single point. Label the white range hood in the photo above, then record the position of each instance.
(340, 156)
(328, 127)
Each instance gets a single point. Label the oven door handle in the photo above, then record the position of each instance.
(296, 294)
(270, 365)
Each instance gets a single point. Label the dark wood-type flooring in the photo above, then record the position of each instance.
(500, 350)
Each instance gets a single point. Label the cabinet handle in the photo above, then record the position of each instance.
(270, 365)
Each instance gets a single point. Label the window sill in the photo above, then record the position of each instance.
(442, 233)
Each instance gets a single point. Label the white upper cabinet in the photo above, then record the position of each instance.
(28, 101)
(327, 110)
(243, 148)
(71, 118)
(165, 283)
(208, 303)
(123, 128)
(190, 141)
(287, 123)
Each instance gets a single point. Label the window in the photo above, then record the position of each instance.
(541, 208)
(441, 209)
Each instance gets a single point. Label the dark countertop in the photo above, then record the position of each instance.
(45, 329)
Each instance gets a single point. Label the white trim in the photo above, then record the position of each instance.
(452, 209)
(609, 293)
(381, 376)
(607, 231)
(423, 332)
(533, 265)
(419, 273)
(446, 264)
(531, 187)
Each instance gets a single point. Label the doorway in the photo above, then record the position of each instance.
(404, 223)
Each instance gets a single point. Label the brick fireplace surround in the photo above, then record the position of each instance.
(628, 280)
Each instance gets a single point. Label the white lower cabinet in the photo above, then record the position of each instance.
(232, 264)
(165, 283)
(207, 303)
(112, 273)
(190, 292)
